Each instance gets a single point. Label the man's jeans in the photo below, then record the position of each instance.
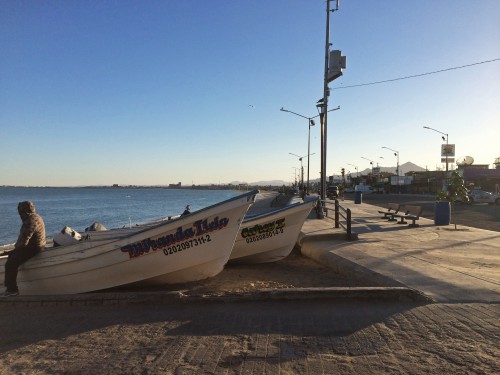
(15, 259)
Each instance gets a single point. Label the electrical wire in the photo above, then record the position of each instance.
(413, 76)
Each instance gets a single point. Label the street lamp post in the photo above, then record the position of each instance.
(295, 174)
(310, 122)
(355, 167)
(396, 153)
(371, 162)
(446, 150)
(302, 169)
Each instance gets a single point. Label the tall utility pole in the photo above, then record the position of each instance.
(324, 109)
(334, 63)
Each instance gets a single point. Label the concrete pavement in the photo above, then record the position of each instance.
(447, 264)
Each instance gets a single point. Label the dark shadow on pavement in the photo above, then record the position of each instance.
(312, 318)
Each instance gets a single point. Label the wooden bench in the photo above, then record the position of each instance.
(392, 209)
(409, 213)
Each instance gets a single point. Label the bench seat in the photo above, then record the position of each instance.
(409, 213)
(392, 209)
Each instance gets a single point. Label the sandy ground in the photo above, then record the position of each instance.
(295, 271)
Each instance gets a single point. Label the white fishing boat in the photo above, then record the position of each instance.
(188, 248)
(271, 234)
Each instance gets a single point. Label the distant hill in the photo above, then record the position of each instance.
(263, 183)
(403, 168)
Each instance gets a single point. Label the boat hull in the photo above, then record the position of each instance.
(271, 236)
(188, 248)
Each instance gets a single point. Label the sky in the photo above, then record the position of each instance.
(160, 92)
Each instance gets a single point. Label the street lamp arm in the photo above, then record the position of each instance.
(286, 110)
(391, 149)
(334, 109)
(309, 118)
(371, 161)
(437, 131)
(300, 157)
(446, 150)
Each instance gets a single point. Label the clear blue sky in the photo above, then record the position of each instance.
(157, 92)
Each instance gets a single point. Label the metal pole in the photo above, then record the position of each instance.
(324, 122)
(396, 153)
(446, 151)
(301, 175)
(308, 154)
(399, 182)
(447, 159)
(349, 227)
(337, 214)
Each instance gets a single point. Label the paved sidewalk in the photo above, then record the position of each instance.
(286, 337)
(446, 264)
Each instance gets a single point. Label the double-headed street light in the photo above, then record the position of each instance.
(396, 153)
(310, 122)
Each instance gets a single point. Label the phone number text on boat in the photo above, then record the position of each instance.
(262, 231)
(197, 235)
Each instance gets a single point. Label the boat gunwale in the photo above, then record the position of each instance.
(253, 217)
(93, 245)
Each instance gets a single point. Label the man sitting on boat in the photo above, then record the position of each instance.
(29, 243)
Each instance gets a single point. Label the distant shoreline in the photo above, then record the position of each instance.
(195, 187)
(208, 187)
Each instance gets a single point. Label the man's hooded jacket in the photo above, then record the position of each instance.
(32, 234)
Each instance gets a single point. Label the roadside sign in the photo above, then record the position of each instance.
(447, 151)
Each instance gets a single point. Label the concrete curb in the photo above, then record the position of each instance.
(159, 298)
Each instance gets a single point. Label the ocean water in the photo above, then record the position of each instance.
(78, 208)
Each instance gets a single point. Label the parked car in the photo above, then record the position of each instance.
(481, 196)
(332, 192)
(349, 190)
